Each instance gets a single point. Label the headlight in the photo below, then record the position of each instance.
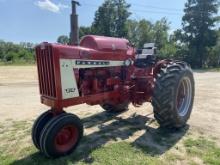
(128, 62)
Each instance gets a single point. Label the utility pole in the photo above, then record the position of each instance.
(74, 33)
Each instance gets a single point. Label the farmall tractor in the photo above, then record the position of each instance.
(111, 73)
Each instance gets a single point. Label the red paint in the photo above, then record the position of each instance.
(66, 138)
(102, 43)
(96, 85)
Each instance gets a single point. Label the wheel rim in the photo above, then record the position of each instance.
(184, 96)
(66, 138)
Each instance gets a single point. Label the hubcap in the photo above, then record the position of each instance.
(66, 138)
(184, 96)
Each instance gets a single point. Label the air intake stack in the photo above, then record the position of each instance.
(74, 34)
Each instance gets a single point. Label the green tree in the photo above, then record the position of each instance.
(63, 39)
(176, 39)
(110, 18)
(198, 24)
(139, 32)
(145, 32)
(2, 50)
(132, 27)
(160, 29)
(16, 53)
(169, 51)
(84, 31)
(214, 54)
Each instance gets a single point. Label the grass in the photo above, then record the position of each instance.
(16, 148)
(32, 63)
(203, 148)
(122, 153)
(5, 159)
(213, 69)
(17, 64)
(207, 70)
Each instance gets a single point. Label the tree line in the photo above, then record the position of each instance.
(22, 53)
(197, 42)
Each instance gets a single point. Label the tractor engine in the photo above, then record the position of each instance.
(94, 72)
(97, 80)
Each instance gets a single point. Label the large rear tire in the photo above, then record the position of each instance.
(173, 95)
(115, 108)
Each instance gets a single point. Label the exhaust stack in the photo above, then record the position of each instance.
(74, 34)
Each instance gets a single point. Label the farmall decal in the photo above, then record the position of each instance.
(79, 62)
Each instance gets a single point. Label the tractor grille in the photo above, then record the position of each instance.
(46, 71)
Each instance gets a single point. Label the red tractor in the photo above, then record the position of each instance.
(111, 73)
(108, 72)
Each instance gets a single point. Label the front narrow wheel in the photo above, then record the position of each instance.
(173, 95)
(38, 126)
(61, 135)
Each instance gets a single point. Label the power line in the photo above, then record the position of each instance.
(140, 11)
(137, 16)
(158, 10)
(147, 6)
(155, 7)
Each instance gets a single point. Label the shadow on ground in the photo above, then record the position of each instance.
(153, 141)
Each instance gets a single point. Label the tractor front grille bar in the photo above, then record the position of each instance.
(46, 71)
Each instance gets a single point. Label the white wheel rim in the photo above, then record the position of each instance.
(183, 105)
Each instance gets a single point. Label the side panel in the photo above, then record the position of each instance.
(68, 80)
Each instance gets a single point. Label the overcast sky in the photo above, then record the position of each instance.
(44, 20)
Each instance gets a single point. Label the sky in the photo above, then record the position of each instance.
(44, 20)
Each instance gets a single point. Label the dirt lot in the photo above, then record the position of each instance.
(19, 101)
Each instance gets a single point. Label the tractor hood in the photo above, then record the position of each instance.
(93, 48)
(102, 43)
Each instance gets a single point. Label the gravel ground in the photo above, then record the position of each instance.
(19, 100)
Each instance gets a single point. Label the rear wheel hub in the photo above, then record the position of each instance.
(184, 96)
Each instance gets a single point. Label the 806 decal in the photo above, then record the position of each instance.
(70, 90)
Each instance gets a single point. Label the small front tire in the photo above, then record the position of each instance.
(61, 135)
(38, 126)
